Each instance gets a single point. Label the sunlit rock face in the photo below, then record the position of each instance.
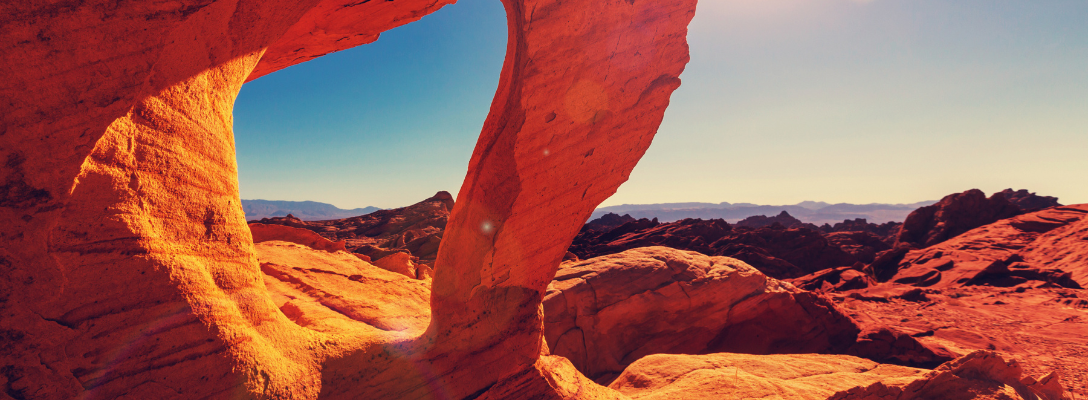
(128, 268)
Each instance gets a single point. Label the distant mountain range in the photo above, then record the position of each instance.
(814, 212)
(304, 210)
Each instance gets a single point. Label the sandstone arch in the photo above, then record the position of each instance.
(128, 267)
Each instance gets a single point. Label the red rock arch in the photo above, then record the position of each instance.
(128, 267)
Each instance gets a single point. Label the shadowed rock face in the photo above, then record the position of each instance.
(783, 218)
(954, 215)
(129, 270)
(774, 250)
(1029, 201)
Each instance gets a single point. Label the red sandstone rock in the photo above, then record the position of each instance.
(129, 270)
(980, 375)
(864, 246)
(1029, 201)
(1046, 247)
(399, 263)
(887, 231)
(415, 230)
(1041, 327)
(607, 312)
(758, 221)
(834, 280)
(954, 215)
(776, 251)
(335, 292)
(264, 232)
(608, 222)
(726, 376)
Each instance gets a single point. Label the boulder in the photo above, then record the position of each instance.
(400, 263)
(604, 313)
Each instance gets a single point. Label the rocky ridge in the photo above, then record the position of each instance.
(415, 230)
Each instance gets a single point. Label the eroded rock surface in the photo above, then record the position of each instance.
(607, 312)
(953, 215)
(269, 232)
(1045, 247)
(129, 270)
(337, 292)
(775, 250)
(745, 376)
(980, 375)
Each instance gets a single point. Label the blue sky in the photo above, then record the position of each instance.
(856, 101)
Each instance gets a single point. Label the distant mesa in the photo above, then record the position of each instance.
(303, 210)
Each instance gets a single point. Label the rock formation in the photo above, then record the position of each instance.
(1044, 247)
(336, 292)
(863, 246)
(672, 301)
(742, 376)
(269, 232)
(1029, 201)
(887, 231)
(980, 375)
(774, 250)
(954, 214)
(415, 230)
(1041, 328)
(130, 272)
(839, 279)
(608, 222)
(783, 218)
(607, 312)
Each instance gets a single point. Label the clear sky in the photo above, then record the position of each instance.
(891, 101)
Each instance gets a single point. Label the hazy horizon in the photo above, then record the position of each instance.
(841, 101)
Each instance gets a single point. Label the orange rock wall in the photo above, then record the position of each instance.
(129, 270)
